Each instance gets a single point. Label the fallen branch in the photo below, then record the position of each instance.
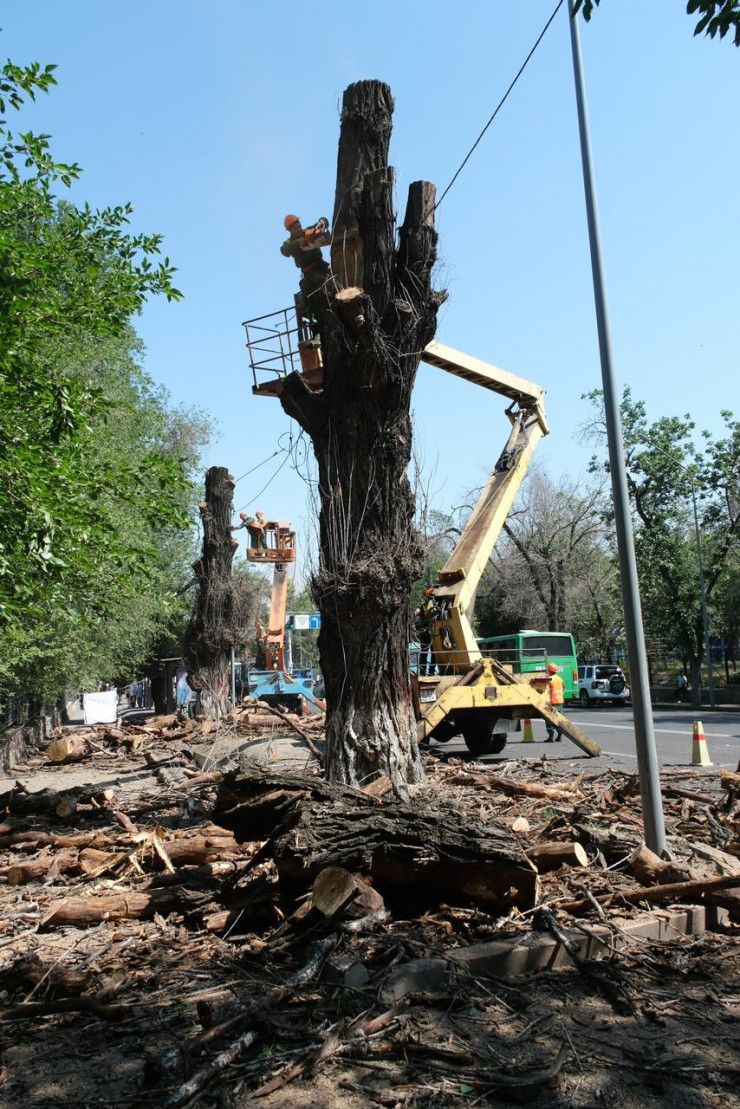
(674, 891)
(296, 727)
(319, 952)
(199, 1081)
(508, 785)
(32, 1009)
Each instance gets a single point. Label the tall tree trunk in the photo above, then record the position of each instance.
(212, 633)
(376, 313)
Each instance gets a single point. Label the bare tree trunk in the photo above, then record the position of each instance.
(211, 633)
(376, 313)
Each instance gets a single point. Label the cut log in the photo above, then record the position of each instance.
(68, 748)
(730, 780)
(411, 852)
(378, 788)
(81, 912)
(50, 802)
(550, 856)
(93, 862)
(650, 869)
(27, 841)
(337, 892)
(43, 802)
(258, 720)
(44, 865)
(192, 850)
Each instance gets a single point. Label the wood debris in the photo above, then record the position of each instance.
(262, 932)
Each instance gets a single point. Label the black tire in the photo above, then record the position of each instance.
(617, 683)
(498, 742)
(445, 731)
(584, 699)
(477, 727)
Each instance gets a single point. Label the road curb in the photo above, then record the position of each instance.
(541, 951)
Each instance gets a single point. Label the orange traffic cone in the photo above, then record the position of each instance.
(528, 735)
(699, 752)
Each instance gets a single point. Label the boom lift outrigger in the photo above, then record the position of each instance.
(470, 694)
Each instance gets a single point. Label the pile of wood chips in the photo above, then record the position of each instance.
(227, 933)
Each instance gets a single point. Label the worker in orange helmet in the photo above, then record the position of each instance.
(304, 246)
(556, 690)
(256, 526)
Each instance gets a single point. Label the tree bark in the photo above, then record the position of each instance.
(213, 631)
(417, 854)
(372, 336)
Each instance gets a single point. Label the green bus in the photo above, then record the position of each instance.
(529, 651)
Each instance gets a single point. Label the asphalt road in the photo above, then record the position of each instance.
(613, 729)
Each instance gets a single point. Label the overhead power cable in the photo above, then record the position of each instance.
(262, 463)
(256, 496)
(501, 103)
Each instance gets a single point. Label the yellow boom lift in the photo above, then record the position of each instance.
(469, 694)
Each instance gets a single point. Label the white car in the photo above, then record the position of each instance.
(602, 682)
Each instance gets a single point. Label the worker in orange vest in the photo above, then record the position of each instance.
(557, 700)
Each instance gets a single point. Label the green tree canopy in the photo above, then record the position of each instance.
(97, 472)
(665, 472)
(716, 17)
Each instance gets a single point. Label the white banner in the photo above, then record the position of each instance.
(100, 708)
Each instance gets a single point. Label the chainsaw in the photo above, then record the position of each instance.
(321, 227)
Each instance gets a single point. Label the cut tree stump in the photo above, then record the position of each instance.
(419, 853)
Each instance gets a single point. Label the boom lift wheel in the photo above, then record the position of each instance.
(446, 730)
(477, 727)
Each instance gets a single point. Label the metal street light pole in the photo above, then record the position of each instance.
(700, 564)
(647, 759)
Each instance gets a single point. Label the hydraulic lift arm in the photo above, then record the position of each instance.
(473, 693)
(458, 581)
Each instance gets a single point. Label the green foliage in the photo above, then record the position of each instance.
(553, 568)
(441, 534)
(716, 17)
(667, 474)
(96, 471)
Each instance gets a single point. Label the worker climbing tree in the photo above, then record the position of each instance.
(376, 311)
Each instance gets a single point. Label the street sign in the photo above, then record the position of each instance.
(303, 621)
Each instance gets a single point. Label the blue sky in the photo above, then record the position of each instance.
(217, 119)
